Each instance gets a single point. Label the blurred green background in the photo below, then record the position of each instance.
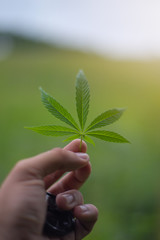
(124, 183)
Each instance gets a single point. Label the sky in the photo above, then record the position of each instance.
(116, 28)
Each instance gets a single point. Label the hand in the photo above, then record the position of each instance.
(22, 195)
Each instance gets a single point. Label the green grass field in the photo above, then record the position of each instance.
(124, 183)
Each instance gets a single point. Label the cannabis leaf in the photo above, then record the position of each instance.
(82, 106)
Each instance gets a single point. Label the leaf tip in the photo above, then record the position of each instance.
(81, 71)
(125, 140)
(121, 109)
(81, 74)
(42, 92)
(26, 127)
(40, 89)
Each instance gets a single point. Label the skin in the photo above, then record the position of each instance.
(22, 195)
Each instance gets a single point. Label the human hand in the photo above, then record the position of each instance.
(22, 195)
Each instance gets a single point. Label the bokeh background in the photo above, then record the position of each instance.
(117, 44)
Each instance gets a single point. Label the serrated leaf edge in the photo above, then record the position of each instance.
(64, 115)
(82, 98)
(103, 133)
(53, 128)
(98, 122)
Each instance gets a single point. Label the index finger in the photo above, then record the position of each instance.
(48, 162)
(74, 179)
(73, 146)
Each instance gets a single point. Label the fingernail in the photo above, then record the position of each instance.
(69, 198)
(84, 208)
(83, 156)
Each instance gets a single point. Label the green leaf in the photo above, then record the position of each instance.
(72, 138)
(53, 130)
(89, 140)
(108, 136)
(82, 98)
(106, 118)
(82, 105)
(57, 109)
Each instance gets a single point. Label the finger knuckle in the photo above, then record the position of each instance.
(20, 166)
(59, 152)
(60, 155)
